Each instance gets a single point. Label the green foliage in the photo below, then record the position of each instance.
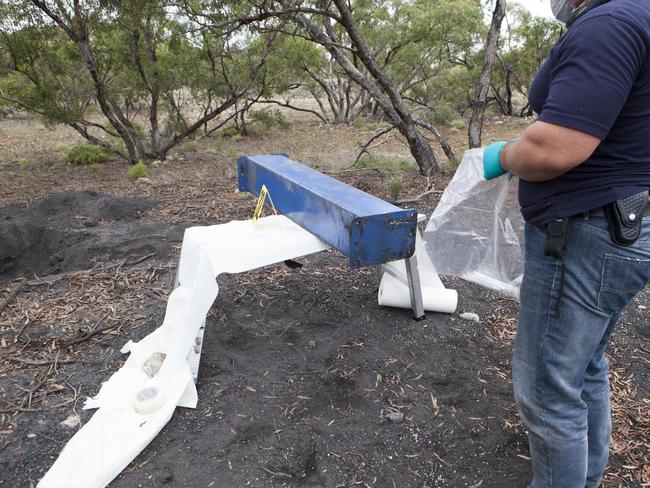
(457, 123)
(138, 170)
(449, 167)
(269, 118)
(395, 185)
(384, 163)
(231, 132)
(87, 155)
(158, 61)
(22, 162)
(290, 62)
(217, 144)
(61, 146)
(145, 63)
(365, 125)
(522, 52)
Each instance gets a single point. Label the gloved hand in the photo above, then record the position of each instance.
(492, 160)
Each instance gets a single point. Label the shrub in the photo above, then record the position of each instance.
(269, 118)
(458, 123)
(217, 144)
(138, 170)
(190, 146)
(87, 155)
(395, 186)
(384, 163)
(365, 125)
(231, 131)
(449, 167)
(61, 146)
(445, 114)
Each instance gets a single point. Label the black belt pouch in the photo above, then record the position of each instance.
(625, 216)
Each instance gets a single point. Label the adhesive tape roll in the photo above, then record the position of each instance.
(148, 400)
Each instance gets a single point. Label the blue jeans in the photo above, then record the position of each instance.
(559, 369)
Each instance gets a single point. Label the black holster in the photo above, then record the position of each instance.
(625, 217)
(556, 233)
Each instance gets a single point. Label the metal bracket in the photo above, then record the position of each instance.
(415, 289)
(412, 280)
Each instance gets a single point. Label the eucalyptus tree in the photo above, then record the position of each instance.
(483, 86)
(297, 68)
(155, 77)
(524, 48)
(364, 38)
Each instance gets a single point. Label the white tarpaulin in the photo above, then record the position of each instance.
(116, 433)
(476, 231)
(394, 292)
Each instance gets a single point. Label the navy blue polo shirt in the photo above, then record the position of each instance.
(596, 80)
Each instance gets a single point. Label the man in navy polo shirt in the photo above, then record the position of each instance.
(589, 147)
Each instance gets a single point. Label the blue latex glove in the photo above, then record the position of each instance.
(492, 160)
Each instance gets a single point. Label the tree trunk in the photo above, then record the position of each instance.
(420, 150)
(480, 102)
(509, 93)
(377, 84)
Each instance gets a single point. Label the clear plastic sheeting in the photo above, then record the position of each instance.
(476, 231)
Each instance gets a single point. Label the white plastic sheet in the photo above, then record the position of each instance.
(117, 433)
(395, 292)
(476, 231)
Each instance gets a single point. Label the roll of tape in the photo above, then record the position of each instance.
(148, 400)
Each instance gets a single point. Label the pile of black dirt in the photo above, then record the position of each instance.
(74, 230)
(87, 207)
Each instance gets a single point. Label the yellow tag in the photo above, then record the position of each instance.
(260, 203)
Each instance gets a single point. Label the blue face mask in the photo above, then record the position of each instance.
(562, 10)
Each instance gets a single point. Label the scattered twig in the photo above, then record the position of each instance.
(418, 197)
(22, 329)
(278, 474)
(92, 332)
(33, 362)
(440, 459)
(12, 294)
(143, 258)
(354, 170)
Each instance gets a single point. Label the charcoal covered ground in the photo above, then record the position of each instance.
(300, 366)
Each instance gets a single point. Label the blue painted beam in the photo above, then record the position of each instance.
(364, 228)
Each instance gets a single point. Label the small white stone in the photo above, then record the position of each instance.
(72, 421)
(470, 316)
(642, 307)
(143, 180)
(395, 417)
(31, 436)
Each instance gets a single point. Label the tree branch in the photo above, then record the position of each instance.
(366, 145)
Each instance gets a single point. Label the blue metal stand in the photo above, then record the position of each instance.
(364, 228)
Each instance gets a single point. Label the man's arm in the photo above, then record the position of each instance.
(545, 151)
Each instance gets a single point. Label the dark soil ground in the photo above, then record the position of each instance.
(300, 366)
